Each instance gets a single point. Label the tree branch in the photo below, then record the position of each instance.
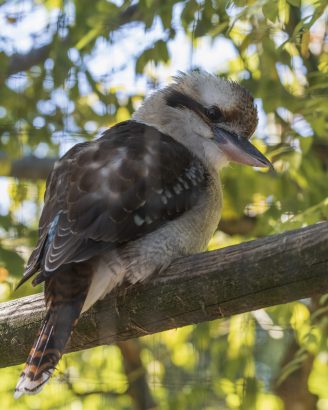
(29, 167)
(265, 272)
(22, 62)
(136, 375)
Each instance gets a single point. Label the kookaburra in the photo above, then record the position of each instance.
(124, 206)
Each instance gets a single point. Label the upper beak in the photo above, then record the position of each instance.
(239, 149)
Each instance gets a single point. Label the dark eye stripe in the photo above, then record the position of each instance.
(176, 99)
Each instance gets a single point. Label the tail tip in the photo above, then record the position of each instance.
(26, 385)
(18, 394)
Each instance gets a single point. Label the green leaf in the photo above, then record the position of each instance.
(270, 10)
(295, 3)
(11, 261)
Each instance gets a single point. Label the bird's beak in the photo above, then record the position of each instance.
(239, 149)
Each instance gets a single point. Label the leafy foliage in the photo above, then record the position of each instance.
(57, 95)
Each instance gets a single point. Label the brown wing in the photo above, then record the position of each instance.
(104, 193)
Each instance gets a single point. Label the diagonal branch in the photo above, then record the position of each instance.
(265, 272)
(22, 62)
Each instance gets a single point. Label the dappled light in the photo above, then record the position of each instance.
(69, 71)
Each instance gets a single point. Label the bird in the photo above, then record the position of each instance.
(122, 207)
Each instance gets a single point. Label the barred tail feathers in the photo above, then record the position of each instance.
(47, 348)
(65, 295)
(38, 367)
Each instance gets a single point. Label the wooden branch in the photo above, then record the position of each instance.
(265, 272)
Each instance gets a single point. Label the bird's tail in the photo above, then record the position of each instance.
(47, 349)
(62, 315)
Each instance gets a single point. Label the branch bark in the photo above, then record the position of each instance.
(265, 272)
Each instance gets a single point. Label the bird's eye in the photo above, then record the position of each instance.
(214, 114)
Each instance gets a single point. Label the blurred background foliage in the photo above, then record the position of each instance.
(69, 69)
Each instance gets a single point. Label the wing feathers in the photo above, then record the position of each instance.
(113, 190)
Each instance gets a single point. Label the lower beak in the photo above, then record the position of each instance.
(239, 149)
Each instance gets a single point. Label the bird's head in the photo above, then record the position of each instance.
(212, 116)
